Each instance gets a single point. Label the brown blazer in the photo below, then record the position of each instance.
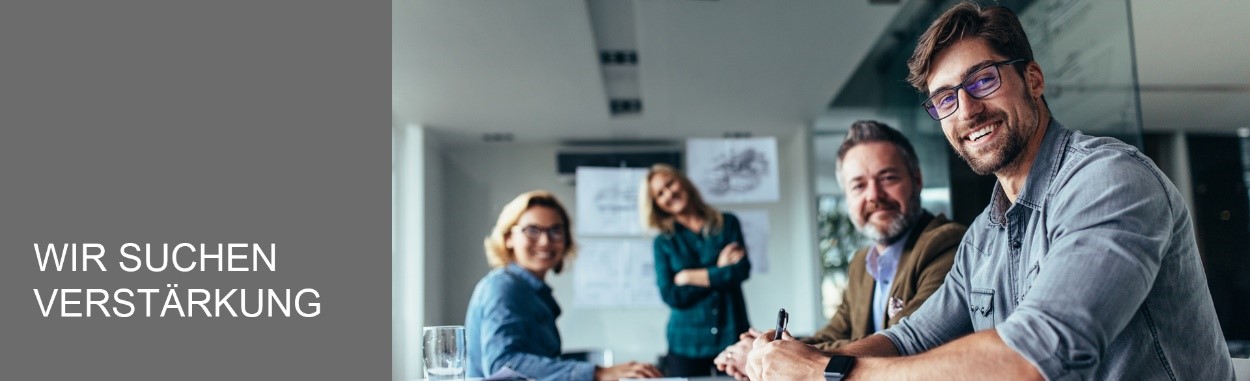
(926, 259)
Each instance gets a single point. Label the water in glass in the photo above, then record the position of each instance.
(445, 352)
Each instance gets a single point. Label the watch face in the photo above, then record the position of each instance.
(839, 366)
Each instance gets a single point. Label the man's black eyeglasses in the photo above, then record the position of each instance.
(980, 84)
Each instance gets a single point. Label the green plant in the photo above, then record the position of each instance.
(838, 238)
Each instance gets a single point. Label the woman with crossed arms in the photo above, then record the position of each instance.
(700, 264)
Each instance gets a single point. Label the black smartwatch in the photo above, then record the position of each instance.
(839, 366)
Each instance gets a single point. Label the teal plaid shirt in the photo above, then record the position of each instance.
(704, 320)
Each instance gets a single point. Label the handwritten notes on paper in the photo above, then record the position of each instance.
(607, 201)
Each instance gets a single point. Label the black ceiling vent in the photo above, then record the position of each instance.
(625, 106)
(616, 47)
(618, 57)
(567, 162)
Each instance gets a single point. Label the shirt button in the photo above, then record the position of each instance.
(714, 330)
(1015, 244)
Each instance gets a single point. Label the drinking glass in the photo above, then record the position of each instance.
(445, 352)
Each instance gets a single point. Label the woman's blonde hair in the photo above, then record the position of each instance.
(655, 218)
(497, 252)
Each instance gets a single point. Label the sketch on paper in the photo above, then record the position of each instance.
(737, 171)
(615, 273)
(734, 170)
(607, 201)
(755, 232)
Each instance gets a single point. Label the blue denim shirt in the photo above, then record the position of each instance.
(1093, 273)
(511, 322)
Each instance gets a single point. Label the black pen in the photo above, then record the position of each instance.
(783, 320)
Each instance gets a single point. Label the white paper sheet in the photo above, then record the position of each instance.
(734, 170)
(755, 232)
(607, 201)
(615, 273)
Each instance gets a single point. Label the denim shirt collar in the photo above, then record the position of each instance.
(527, 277)
(540, 288)
(1045, 168)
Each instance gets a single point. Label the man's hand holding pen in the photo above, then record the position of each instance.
(766, 347)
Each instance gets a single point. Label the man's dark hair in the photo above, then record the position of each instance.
(997, 26)
(869, 131)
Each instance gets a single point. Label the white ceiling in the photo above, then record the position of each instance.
(1193, 64)
(467, 67)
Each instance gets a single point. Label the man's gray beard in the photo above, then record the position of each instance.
(895, 230)
(890, 234)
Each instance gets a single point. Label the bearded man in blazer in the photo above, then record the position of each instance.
(912, 249)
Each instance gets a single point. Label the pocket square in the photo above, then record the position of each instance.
(894, 305)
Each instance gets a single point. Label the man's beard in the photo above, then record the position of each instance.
(997, 156)
(893, 231)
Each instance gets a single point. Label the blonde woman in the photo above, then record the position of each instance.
(511, 321)
(700, 264)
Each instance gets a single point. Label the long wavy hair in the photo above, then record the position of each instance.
(655, 218)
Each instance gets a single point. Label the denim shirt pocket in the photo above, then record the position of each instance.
(981, 308)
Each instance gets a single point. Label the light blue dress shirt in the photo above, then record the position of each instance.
(881, 267)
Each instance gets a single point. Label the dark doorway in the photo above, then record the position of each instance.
(1222, 221)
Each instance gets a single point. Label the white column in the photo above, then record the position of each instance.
(408, 239)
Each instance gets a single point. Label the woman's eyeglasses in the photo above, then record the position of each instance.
(554, 233)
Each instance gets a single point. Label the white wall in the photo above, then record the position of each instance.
(477, 181)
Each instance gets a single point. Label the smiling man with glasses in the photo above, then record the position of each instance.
(1083, 266)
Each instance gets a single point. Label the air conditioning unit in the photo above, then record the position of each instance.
(626, 155)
